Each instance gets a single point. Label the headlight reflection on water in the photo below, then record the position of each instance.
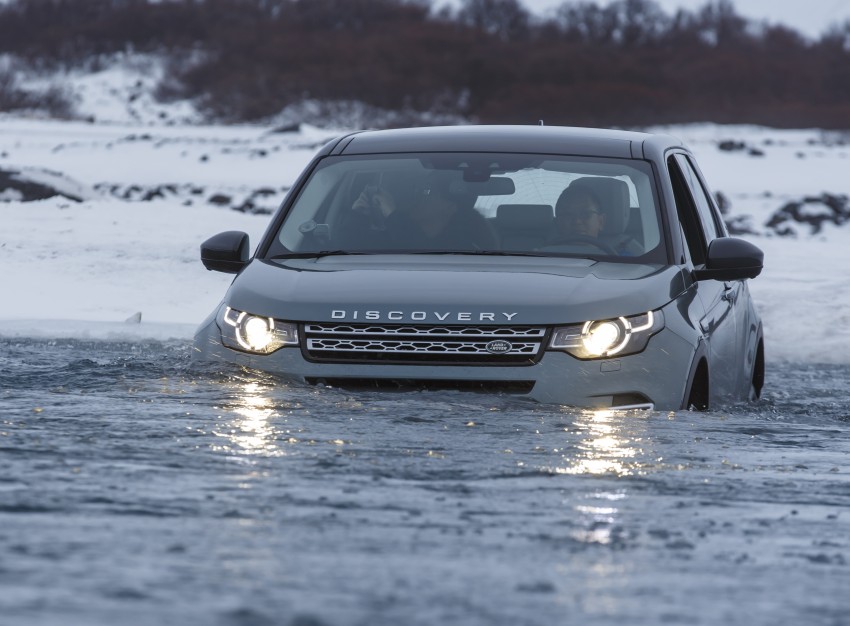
(604, 449)
(255, 434)
(600, 519)
(255, 421)
(250, 430)
(607, 445)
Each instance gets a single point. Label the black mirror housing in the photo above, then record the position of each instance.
(730, 258)
(226, 252)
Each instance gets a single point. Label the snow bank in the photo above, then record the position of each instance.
(105, 261)
(80, 269)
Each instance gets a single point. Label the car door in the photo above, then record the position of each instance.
(737, 290)
(719, 323)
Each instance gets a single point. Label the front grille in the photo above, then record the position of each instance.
(409, 344)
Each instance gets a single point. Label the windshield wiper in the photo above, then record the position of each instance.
(481, 252)
(324, 253)
(315, 255)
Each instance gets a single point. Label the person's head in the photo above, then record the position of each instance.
(433, 204)
(578, 212)
(381, 199)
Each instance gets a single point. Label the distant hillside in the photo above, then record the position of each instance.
(627, 64)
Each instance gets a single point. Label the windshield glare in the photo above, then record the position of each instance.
(476, 204)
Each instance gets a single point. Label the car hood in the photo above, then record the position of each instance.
(451, 289)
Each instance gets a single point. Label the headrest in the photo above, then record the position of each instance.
(400, 183)
(613, 198)
(525, 215)
(441, 181)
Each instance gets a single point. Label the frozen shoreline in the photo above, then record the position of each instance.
(80, 269)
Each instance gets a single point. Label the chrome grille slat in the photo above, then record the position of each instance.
(495, 332)
(412, 344)
(413, 347)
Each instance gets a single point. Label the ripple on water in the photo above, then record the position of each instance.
(131, 477)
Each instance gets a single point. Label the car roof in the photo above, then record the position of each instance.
(525, 139)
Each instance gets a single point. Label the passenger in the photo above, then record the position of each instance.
(435, 219)
(375, 200)
(365, 227)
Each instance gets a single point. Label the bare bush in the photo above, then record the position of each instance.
(53, 101)
(625, 63)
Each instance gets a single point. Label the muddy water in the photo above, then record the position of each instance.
(138, 489)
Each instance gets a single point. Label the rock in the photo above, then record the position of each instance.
(730, 145)
(295, 127)
(219, 199)
(723, 202)
(31, 183)
(812, 212)
(740, 225)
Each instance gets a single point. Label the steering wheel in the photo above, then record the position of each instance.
(592, 241)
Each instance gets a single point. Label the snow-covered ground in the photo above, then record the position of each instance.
(107, 258)
(155, 183)
(82, 268)
(120, 88)
(803, 293)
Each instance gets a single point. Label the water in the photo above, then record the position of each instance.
(136, 488)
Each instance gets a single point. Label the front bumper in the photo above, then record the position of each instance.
(657, 376)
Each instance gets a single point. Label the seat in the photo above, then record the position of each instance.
(634, 228)
(524, 226)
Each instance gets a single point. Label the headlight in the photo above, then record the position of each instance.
(253, 333)
(606, 338)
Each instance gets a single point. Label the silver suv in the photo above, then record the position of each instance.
(572, 266)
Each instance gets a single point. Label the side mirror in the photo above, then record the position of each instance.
(731, 259)
(225, 252)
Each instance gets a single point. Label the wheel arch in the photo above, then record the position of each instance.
(757, 373)
(698, 381)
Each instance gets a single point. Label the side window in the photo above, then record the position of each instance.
(688, 214)
(703, 203)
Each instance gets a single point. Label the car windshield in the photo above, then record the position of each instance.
(482, 203)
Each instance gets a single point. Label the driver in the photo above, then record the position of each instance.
(579, 217)
(578, 214)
